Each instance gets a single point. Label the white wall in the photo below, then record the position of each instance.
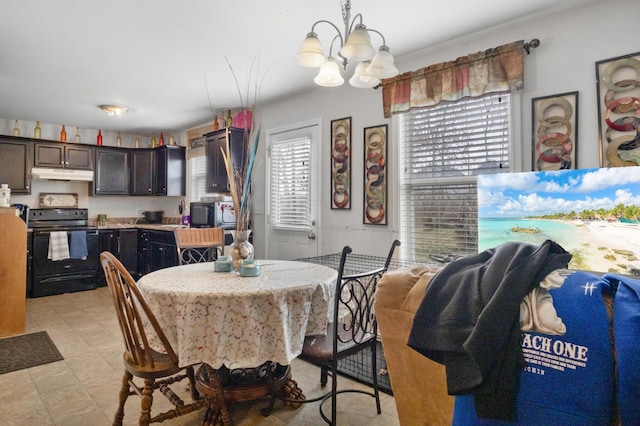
(571, 43)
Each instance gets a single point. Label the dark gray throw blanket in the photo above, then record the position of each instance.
(469, 321)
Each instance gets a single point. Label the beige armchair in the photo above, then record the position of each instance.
(419, 384)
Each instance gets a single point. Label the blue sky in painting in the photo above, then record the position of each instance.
(515, 195)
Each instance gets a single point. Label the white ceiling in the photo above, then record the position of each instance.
(169, 60)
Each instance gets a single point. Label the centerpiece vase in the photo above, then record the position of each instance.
(241, 249)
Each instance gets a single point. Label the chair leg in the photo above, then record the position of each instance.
(124, 394)
(334, 392)
(374, 374)
(147, 401)
(195, 395)
(324, 372)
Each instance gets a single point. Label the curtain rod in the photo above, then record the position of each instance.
(531, 45)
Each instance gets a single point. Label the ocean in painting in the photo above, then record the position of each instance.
(493, 232)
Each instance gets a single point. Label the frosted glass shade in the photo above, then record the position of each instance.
(358, 46)
(311, 53)
(363, 80)
(329, 75)
(382, 65)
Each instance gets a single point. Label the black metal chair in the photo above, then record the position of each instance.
(353, 329)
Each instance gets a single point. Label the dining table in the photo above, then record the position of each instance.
(237, 323)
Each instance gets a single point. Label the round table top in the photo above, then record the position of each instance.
(221, 318)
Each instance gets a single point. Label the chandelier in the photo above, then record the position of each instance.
(355, 45)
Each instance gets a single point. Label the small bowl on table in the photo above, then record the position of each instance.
(222, 264)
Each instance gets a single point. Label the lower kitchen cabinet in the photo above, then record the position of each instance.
(163, 251)
(122, 243)
(143, 253)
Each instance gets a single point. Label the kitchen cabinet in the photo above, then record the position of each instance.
(122, 243)
(216, 179)
(158, 171)
(170, 170)
(15, 157)
(141, 172)
(163, 251)
(63, 155)
(112, 172)
(143, 252)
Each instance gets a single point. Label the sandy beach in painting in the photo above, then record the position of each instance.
(606, 247)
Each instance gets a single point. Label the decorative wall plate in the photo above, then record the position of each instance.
(52, 199)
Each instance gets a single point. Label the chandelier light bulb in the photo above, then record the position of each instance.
(382, 65)
(311, 53)
(362, 79)
(329, 75)
(358, 46)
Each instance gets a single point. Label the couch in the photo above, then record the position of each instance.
(420, 385)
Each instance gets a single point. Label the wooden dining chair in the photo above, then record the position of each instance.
(353, 329)
(158, 369)
(196, 245)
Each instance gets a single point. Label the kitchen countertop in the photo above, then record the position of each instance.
(153, 226)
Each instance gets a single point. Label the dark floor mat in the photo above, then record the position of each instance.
(27, 350)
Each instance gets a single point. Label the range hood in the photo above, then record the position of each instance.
(61, 174)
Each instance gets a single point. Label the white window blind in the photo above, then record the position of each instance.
(198, 169)
(290, 174)
(442, 150)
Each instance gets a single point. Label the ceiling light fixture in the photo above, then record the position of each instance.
(114, 109)
(355, 44)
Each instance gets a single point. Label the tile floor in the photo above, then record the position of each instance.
(83, 388)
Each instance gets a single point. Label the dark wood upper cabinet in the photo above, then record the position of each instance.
(63, 155)
(111, 173)
(216, 179)
(141, 172)
(170, 170)
(15, 158)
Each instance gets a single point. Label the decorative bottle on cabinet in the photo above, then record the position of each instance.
(137, 140)
(216, 123)
(99, 138)
(229, 119)
(154, 141)
(76, 137)
(37, 131)
(63, 134)
(118, 139)
(161, 141)
(16, 129)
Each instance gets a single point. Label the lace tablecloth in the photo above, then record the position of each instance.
(221, 318)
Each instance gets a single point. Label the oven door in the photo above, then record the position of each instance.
(63, 276)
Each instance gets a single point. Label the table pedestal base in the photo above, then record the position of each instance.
(223, 387)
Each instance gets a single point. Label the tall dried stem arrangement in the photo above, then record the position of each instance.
(239, 175)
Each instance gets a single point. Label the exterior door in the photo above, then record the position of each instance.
(293, 191)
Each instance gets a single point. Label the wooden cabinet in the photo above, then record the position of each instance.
(13, 275)
(15, 163)
(170, 170)
(141, 172)
(216, 179)
(63, 155)
(163, 251)
(143, 252)
(123, 244)
(112, 172)
(158, 171)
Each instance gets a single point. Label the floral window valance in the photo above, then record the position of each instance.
(500, 69)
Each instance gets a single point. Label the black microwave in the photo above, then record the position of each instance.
(216, 214)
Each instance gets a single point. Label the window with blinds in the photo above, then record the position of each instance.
(442, 150)
(198, 177)
(290, 174)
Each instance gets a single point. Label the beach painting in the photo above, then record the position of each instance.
(592, 213)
